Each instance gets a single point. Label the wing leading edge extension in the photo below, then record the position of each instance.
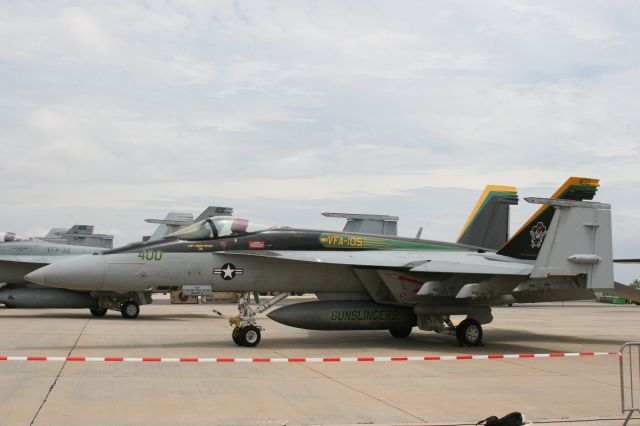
(452, 262)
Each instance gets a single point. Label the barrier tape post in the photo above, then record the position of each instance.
(630, 355)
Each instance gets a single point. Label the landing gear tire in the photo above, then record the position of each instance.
(249, 336)
(469, 332)
(400, 332)
(235, 335)
(98, 312)
(130, 310)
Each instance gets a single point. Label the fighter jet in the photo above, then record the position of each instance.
(19, 257)
(363, 281)
(26, 255)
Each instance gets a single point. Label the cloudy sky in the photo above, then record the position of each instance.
(116, 111)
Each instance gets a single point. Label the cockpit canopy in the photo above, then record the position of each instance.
(219, 227)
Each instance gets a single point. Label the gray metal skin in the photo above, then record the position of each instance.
(435, 280)
(478, 232)
(194, 268)
(79, 235)
(19, 258)
(491, 228)
(31, 296)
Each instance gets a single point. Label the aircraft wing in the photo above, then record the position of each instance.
(474, 265)
(410, 260)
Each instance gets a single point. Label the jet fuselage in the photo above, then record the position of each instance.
(221, 264)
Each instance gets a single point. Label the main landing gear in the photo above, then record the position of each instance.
(99, 312)
(469, 332)
(401, 332)
(130, 309)
(245, 330)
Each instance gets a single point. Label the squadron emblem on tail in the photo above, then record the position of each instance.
(537, 235)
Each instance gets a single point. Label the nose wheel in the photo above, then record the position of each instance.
(245, 330)
(248, 336)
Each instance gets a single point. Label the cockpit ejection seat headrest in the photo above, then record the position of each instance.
(239, 226)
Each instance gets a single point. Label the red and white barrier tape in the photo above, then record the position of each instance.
(306, 360)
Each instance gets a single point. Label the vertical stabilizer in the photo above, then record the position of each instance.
(578, 242)
(488, 224)
(527, 241)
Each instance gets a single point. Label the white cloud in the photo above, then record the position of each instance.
(112, 110)
(86, 32)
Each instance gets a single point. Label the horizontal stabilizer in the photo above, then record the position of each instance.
(169, 222)
(622, 290)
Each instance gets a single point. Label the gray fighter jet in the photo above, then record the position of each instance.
(19, 257)
(363, 281)
(24, 256)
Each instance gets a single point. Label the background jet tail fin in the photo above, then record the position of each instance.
(488, 224)
(176, 220)
(368, 223)
(171, 223)
(214, 211)
(527, 241)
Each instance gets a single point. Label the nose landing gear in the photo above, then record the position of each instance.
(245, 330)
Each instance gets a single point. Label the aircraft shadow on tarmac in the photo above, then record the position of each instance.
(113, 317)
(497, 342)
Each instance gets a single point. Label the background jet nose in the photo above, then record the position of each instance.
(84, 272)
(36, 277)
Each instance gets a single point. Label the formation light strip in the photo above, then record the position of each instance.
(306, 360)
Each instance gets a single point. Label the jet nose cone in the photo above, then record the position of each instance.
(36, 277)
(84, 272)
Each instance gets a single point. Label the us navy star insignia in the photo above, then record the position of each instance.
(228, 271)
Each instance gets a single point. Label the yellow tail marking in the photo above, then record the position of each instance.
(487, 190)
(572, 181)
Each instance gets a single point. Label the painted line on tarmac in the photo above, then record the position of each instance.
(306, 359)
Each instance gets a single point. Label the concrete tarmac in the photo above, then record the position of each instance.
(548, 391)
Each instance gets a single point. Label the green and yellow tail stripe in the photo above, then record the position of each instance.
(489, 192)
(575, 188)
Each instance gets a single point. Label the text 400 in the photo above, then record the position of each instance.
(150, 255)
